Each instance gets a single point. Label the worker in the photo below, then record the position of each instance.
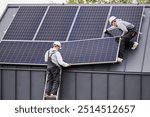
(54, 62)
(128, 33)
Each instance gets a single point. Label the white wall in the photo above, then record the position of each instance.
(3, 3)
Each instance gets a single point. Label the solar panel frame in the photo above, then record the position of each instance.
(89, 63)
(24, 22)
(129, 10)
(139, 30)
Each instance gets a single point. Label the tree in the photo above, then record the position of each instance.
(107, 1)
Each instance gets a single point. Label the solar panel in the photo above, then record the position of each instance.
(131, 14)
(57, 23)
(25, 23)
(23, 52)
(90, 22)
(94, 51)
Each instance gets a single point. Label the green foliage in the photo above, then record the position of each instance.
(144, 1)
(107, 1)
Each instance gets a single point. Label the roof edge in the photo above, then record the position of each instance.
(65, 4)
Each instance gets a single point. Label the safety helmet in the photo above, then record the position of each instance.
(57, 43)
(112, 18)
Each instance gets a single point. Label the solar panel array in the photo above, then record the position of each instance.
(57, 23)
(80, 25)
(79, 52)
(131, 14)
(25, 23)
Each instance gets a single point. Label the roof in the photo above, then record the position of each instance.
(134, 61)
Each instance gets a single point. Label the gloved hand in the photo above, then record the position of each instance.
(108, 33)
(121, 38)
(68, 65)
(105, 31)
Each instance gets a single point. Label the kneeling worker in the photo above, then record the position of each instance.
(54, 62)
(128, 33)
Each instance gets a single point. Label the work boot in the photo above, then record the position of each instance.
(119, 60)
(135, 45)
(53, 97)
(46, 97)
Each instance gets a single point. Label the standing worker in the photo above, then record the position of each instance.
(54, 62)
(128, 33)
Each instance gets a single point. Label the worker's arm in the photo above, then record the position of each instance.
(111, 28)
(123, 28)
(60, 60)
(46, 56)
(108, 33)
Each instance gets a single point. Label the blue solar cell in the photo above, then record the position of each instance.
(94, 51)
(90, 22)
(131, 14)
(25, 23)
(57, 23)
(23, 52)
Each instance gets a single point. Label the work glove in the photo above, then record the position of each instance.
(108, 33)
(68, 65)
(105, 30)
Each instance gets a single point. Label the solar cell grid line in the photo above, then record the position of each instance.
(87, 51)
(20, 50)
(90, 51)
(57, 23)
(90, 22)
(132, 14)
(3, 50)
(23, 52)
(84, 48)
(7, 58)
(25, 23)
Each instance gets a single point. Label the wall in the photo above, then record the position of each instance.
(27, 83)
(99, 85)
(21, 83)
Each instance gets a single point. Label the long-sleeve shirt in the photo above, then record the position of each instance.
(56, 57)
(123, 25)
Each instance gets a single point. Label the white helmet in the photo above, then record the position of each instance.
(112, 18)
(57, 43)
